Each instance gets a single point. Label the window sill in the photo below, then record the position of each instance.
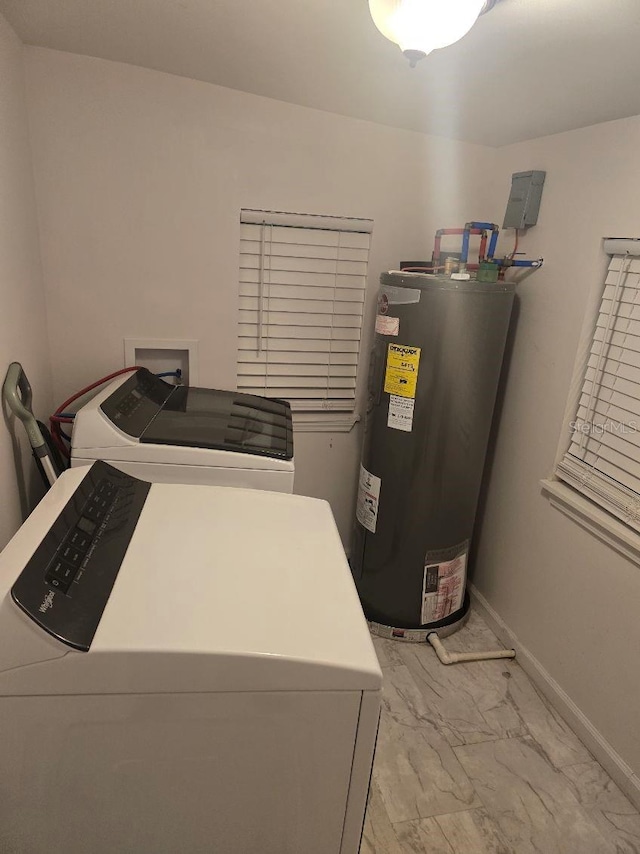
(593, 519)
(324, 422)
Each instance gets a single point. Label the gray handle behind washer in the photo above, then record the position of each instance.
(17, 394)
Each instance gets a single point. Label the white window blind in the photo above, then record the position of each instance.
(302, 288)
(603, 457)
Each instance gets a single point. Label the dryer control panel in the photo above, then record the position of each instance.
(66, 584)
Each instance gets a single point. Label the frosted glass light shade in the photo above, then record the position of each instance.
(420, 26)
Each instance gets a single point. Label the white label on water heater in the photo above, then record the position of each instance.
(386, 325)
(400, 413)
(443, 588)
(368, 500)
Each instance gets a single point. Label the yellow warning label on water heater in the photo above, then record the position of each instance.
(401, 376)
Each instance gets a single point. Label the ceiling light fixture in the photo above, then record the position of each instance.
(420, 26)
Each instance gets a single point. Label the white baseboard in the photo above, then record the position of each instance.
(593, 740)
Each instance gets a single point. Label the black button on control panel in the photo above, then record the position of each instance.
(67, 582)
(72, 555)
(79, 540)
(60, 574)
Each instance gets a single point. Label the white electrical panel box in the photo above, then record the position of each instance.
(524, 199)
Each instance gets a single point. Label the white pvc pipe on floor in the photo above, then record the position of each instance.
(457, 657)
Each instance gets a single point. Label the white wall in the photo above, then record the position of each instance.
(141, 177)
(22, 322)
(574, 602)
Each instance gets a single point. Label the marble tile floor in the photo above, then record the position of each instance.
(471, 759)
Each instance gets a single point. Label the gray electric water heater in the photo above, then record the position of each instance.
(433, 377)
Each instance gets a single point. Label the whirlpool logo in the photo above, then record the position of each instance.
(47, 602)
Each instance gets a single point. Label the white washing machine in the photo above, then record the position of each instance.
(175, 434)
(182, 669)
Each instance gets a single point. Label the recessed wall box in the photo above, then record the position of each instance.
(524, 199)
(158, 354)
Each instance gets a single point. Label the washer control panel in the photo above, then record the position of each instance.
(66, 584)
(134, 404)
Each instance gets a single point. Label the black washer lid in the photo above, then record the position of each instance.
(223, 420)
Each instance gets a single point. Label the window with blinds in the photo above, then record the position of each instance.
(602, 460)
(302, 289)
